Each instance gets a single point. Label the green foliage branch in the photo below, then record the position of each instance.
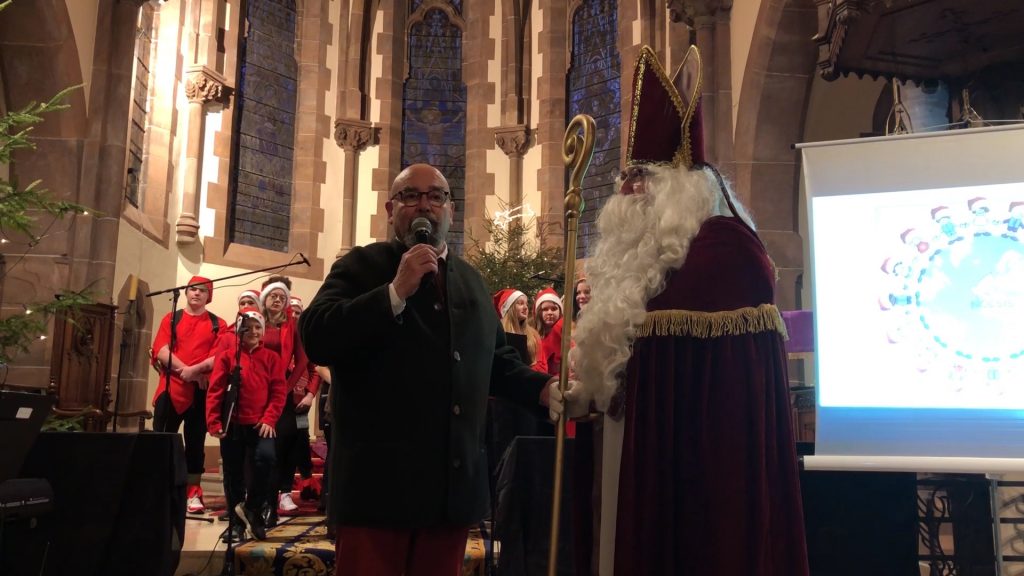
(20, 210)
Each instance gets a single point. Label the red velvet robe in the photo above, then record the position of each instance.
(709, 482)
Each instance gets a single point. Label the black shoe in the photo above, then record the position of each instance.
(238, 531)
(270, 518)
(253, 522)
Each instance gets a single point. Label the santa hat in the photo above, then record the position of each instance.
(504, 299)
(209, 286)
(665, 125)
(908, 235)
(254, 313)
(977, 203)
(546, 295)
(270, 288)
(295, 301)
(1015, 205)
(251, 294)
(940, 212)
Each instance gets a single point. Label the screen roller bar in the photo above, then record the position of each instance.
(913, 464)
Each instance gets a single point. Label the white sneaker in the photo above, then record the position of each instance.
(194, 504)
(286, 503)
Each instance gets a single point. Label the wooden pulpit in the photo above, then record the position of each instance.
(80, 365)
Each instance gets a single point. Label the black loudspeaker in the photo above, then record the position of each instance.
(118, 501)
(861, 523)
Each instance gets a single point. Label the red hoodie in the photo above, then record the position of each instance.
(262, 393)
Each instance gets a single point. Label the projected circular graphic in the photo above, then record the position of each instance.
(954, 291)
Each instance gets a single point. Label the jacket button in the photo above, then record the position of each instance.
(456, 356)
(437, 306)
(456, 463)
(456, 410)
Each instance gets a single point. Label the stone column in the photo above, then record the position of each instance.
(704, 23)
(202, 85)
(551, 46)
(514, 141)
(353, 136)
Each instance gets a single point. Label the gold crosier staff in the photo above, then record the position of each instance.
(576, 152)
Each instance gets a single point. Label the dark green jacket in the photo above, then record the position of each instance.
(407, 448)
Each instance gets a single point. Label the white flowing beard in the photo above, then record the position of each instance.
(642, 237)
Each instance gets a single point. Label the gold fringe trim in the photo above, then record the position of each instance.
(764, 318)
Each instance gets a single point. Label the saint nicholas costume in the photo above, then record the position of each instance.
(708, 481)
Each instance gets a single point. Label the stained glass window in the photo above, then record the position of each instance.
(140, 93)
(594, 89)
(265, 127)
(434, 115)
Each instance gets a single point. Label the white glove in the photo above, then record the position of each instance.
(574, 401)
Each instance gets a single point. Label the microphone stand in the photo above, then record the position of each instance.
(175, 293)
(126, 331)
(223, 278)
(227, 412)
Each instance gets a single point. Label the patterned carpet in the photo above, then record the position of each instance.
(299, 547)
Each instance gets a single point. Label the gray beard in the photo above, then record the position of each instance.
(643, 237)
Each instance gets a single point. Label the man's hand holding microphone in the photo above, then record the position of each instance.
(417, 262)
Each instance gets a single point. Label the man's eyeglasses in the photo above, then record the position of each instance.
(411, 197)
(633, 174)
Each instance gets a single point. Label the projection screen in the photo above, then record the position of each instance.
(917, 278)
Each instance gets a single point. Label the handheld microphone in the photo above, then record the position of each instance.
(240, 325)
(304, 259)
(422, 230)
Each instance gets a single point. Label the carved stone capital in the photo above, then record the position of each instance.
(691, 11)
(204, 85)
(514, 140)
(354, 135)
(187, 228)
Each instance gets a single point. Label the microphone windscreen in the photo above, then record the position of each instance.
(422, 230)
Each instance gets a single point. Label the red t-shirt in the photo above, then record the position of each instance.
(194, 343)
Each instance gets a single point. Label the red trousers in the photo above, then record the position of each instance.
(395, 552)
